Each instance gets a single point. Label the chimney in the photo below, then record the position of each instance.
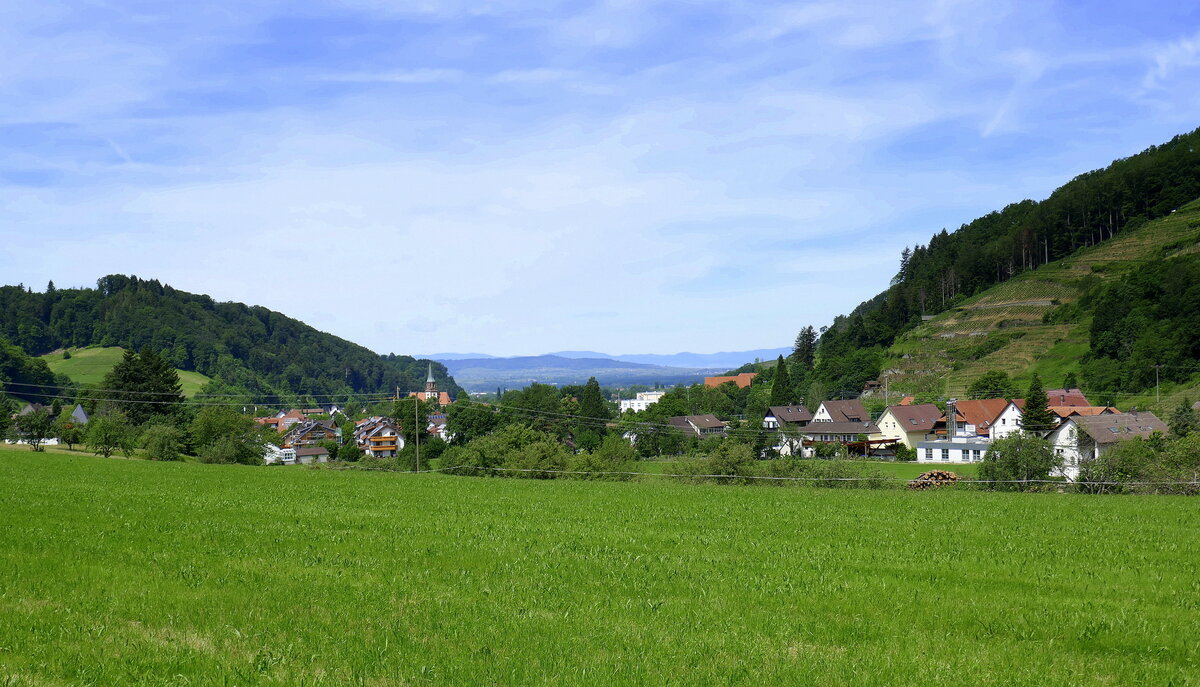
(951, 418)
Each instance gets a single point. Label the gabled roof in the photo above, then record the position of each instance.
(707, 421)
(1067, 397)
(313, 451)
(791, 413)
(981, 413)
(915, 418)
(1109, 429)
(847, 411)
(840, 428)
(1086, 411)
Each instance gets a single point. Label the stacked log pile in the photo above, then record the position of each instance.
(933, 479)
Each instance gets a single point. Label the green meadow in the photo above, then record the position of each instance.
(129, 572)
(89, 365)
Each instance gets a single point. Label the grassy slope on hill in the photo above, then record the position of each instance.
(1003, 329)
(131, 572)
(89, 365)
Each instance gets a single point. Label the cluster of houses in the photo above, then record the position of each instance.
(304, 432)
(960, 434)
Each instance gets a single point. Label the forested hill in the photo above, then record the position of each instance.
(244, 348)
(1091, 209)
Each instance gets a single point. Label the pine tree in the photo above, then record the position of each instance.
(1183, 420)
(1036, 417)
(781, 388)
(805, 349)
(143, 385)
(591, 401)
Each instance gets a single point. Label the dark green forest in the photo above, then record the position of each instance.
(1091, 208)
(246, 349)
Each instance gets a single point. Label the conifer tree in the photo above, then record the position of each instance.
(591, 401)
(805, 348)
(1037, 417)
(781, 388)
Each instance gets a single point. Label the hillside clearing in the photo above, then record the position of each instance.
(89, 365)
(132, 572)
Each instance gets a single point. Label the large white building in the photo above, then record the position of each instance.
(644, 400)
(1082, 438)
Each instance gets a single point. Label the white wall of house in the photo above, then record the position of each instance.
(1073, 446)
(644, 400)
(1007, 422)
(822, 414)
(944, 451)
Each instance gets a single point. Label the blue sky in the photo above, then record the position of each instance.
(516, 178)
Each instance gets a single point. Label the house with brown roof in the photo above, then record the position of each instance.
(981, 415)
(1082, 438)
(1067, 397)
(742, 380)
(841, 411)
(786, 416)
(699, 425)
(1009, 420)
(312, 454)
(909, 424)
(310, 433)
(841, 432)
(378, 437)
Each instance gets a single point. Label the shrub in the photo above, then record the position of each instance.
(1013, 460)
(162, 442)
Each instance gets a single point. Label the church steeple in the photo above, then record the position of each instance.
(431, 390)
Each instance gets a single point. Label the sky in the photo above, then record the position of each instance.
(514, 178)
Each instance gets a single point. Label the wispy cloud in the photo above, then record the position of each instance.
(709, 175)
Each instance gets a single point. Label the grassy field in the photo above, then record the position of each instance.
(89, 365)
(132, 572)
(894, 469)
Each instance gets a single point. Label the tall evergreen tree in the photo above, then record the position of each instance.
(781, 388)
(1037, 417)
(591, 401)
(143, 385)
(805, 349)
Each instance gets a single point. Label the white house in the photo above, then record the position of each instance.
(1082, 438)
(841, 411)
(794, 416)
(1009, 420)
(644, 400)
(963, 442)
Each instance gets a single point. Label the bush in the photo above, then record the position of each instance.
(162, 442)
(228, 449)
(1011, 461)
(107, 433)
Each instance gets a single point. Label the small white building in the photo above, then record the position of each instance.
(644, 400)
(961, 449)
(1082, 438)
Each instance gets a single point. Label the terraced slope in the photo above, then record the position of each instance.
(1010, 326)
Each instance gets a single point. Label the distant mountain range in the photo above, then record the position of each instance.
(485, 372)
(726, 360)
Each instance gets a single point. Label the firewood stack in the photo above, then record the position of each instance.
(933, 479)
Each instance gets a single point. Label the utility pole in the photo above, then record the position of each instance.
(1157, 395)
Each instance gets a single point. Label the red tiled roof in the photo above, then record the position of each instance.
(1067, 397)
(742, 380)
(847, 411)
(981, 413)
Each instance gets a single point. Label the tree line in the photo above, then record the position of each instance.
(247, 350)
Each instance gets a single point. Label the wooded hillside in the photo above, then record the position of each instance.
(243, 348)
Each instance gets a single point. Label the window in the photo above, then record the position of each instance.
(946, 455)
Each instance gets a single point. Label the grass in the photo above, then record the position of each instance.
(138, 573)
(89, 365)
(902, 470)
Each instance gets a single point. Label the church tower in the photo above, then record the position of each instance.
(431, 390)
